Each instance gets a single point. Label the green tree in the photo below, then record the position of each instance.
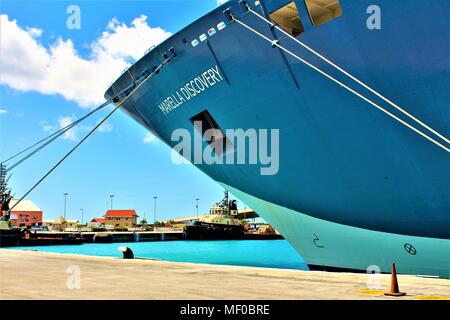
(157, 223)
(120, 228)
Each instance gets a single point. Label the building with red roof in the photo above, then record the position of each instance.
(98, 220)
(127, 218)
(25, 214)
(97, 223)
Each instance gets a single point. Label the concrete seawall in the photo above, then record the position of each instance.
(124, 236)
(38, 275)
(139, 236)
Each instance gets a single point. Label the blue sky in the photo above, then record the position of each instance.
(51, 75)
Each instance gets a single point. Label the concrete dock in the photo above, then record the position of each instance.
(38, 275)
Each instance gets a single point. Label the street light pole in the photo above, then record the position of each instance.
(196, 205)
(145, 219)
(154, 219)
(111, 196)
(82, 216)
(65, 204)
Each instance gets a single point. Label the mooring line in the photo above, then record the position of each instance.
(64, 158)
(92, 131)
(274, 43)
(272, 24)
(54, 136)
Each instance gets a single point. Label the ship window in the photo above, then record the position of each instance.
(322, 11)
(204, 122)
(288, 18)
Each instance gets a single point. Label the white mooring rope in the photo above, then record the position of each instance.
(349, 75)
(276, 44)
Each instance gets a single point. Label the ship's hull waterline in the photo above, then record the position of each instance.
(330, 246)
(355, 188)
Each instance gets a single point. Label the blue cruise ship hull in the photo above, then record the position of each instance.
(355, 188)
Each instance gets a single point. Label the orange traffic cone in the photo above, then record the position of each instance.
(395, 292)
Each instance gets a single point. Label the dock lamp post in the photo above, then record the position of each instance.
(111, 196)
(65, 204)
(154, 218)
(82, 215)
(196, 205)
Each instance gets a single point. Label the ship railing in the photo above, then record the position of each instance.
(149, 49)
(144, 75)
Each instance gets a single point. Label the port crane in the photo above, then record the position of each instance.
(5, 195)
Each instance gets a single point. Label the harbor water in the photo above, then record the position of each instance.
(267, 254)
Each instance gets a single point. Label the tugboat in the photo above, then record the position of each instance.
(220, 224)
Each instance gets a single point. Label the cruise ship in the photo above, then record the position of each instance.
(359, 92)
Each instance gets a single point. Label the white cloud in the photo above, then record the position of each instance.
(105, 127)
(121, 41)
(72, 133)
(150, 138)
(220, 2)
(3, 111)
(26, 65)
(34, 32)
(46, 126)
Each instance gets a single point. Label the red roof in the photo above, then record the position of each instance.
(99, 220)
(121, 213)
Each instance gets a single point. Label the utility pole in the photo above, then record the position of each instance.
(82, 215)
(154, 219)
(111, 196)
(196, 205)
(65, 204)
(145, 219)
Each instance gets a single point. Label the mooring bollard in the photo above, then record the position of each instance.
(127, 252)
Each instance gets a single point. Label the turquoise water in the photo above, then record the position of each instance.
(269, 254)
